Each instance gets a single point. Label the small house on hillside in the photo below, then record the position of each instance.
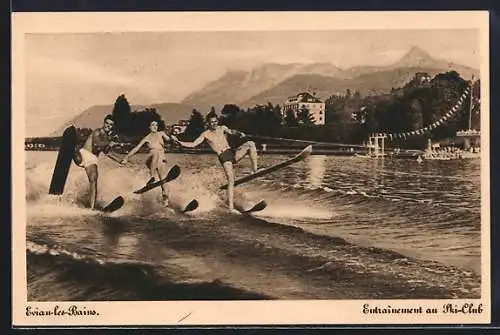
(422, 77)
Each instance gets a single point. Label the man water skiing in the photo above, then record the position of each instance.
(215, 136)
(100, 140)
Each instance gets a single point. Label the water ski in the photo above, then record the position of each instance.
(114, 205)
(63, 162)
(191, 206)
(261, 205)
(297, 158)
(112, 157)
(174, 172)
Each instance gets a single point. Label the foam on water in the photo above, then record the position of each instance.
(294, 211)
(351, 206)
(114, 180)
(61, 210)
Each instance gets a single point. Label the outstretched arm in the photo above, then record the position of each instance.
(193, 144)
(134, 150)
(165, 136)
(114, 141)
(233, 132)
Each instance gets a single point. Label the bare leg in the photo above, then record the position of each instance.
(92, 174)
(154, 164)
(164, 187)
(161, 175)
(248, 148)
(228, 170)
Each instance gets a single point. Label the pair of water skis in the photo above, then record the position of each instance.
(172, 174)
(262, 204)
(63, 164)
(65, 156)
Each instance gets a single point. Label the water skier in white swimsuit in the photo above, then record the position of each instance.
(86, 156)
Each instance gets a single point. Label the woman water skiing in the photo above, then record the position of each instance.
(156, 157)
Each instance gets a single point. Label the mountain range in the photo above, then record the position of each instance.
(93, 117)
(276, 82)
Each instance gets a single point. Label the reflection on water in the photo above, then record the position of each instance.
(376, 167)
(429, 210)
(317, 169)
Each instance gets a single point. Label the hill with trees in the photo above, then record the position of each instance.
(351, 116)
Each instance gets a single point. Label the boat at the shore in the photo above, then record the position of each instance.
(448, 156)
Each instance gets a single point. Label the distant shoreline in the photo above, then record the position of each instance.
(276, 151)
(52, 144)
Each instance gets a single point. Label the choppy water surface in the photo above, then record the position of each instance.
(335, 228)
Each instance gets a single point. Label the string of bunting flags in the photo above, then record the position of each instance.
(434, 125)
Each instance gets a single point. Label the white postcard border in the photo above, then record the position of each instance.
(235, 312)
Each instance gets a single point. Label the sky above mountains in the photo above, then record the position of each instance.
(67, 73)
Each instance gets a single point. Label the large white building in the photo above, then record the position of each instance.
(306, 100)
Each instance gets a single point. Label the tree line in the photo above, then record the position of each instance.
(129, 125)
(349, 117)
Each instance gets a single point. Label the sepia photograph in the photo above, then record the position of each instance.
(250, 168)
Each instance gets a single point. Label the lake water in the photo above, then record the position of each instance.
(335, 228)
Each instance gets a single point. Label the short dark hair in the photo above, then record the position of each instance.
(159, 121)
(161, 125)
(109, 117)
(212, 116)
